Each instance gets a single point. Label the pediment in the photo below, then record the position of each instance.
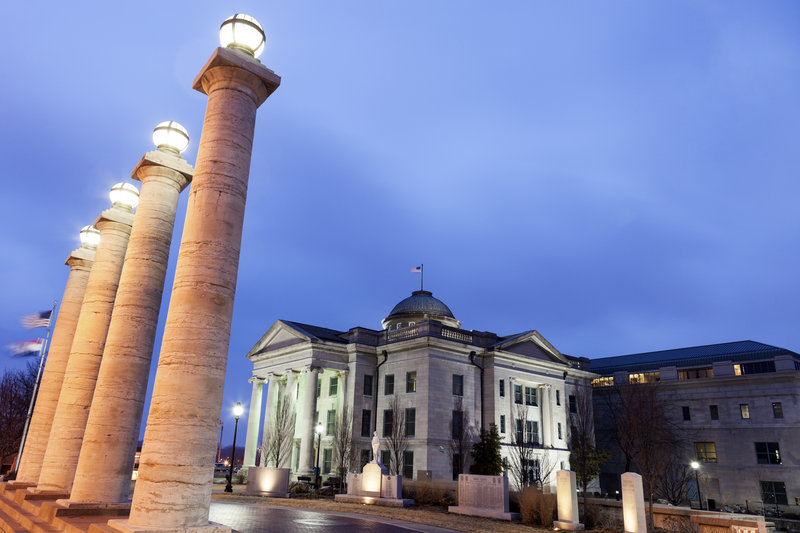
(279, 335)
(533, 344)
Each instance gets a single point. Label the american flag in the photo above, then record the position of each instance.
(417, 269)
(26, 348)
(38, 320)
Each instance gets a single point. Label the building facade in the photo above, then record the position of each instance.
(737, 408)
(423, 365)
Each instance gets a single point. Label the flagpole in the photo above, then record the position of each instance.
(421, 276)
(42, 352)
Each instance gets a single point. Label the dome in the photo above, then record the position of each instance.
(421, 305)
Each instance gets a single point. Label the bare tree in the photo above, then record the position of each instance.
(522, 454)
(278, 447)
(642, 422)
(395, 435)
(16, 389)
(584, 458)
(460, 438)
(344, 449)
(674, 485)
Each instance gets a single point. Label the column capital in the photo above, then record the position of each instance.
(237, 69)
(114, 217)
(256, 379)
(181, 170)
(312, 368)
(343, 372)
(80, 258)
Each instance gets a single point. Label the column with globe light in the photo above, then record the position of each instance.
(80, 264)
(69, 421)
(109, 445)
(173, 488)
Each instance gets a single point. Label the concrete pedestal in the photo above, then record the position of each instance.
(633, 514)
(568, 517)
(485, 496)
(273, 482)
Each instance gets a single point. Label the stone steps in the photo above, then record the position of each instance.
(22, 519)
(9, 525)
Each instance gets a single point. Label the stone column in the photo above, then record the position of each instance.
(547, 421)
(112, 430)
(80, 263)
(69, 422)
(342, 394)
(290, 396)
(173, 490)
(273, 390)
(253, 420)
(307, 429)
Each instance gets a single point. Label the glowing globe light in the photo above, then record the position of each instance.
(171, 136)
(244, 33)
(90, 237)
(124, 195)
(238, 410)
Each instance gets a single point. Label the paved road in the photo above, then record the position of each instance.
(259, 518)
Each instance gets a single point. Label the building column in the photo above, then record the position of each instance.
(290, 395)
(173, 490)
(269, 410)
(112, 429)
(342, 394)
(547, 422)
(80, 377)
(253, 420)
(307, 432)
(80, 263)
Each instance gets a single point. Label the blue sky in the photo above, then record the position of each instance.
(621, 176)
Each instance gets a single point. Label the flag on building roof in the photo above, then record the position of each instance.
(37, 320)
(26, 348)
(417, 269)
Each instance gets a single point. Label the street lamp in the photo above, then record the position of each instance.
(124, 195)
(90, 237)
(237, 412)
(319, 440)
(696, 466)
(243, 32)
(171, 137)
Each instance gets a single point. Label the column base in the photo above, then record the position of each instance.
(124, 526)
(116, 506)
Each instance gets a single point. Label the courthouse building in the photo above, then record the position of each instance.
(737, 405)
(433, 367)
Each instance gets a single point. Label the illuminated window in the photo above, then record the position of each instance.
(777, 410)
(596, 382)
(644, 377)
(744, 409)
(696, 373)
(706, 452)
(411, 382)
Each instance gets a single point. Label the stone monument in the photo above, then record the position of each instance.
(483, 496)
(267, 481)
(373, 485)
(568, 517)
(633, 503)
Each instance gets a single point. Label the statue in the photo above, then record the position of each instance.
(376, 444)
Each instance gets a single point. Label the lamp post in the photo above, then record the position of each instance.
(237, 412)
(318, 429)
(696, 466)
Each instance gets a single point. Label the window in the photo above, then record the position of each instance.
(327, 455)
(760, 367)
(530, 396)
(559, 430)
(386, 458)
(333, 386)
(330, 422)
(411, 422)
(573, 404)
(532, 431)
(644, 377)
(531, 471)
(518, 394)
(696, 373)
(458, 385)
(558, 399)
(388, 384)
(316, 417)
(706, 452)
(714, 412)
(768, 453)
(519, 436)
(408, 465)
(687, 415)
(366, 456)
(457, 425)
(777, 410)
(319, 387)
(502, 423)
(502, 388)
(367, 384)
(366, 422)
(744, 409)
(387, 422)
(603, 382)
(411, 382)
(774, 492)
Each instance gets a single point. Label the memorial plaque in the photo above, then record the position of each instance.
(633, 503)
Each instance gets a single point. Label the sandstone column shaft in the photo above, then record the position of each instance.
(80, 263)
(547, 424)
(307, 432)
(69, 422)
(173, 489)
(269, 410)
(253, 420)
(106, 459)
